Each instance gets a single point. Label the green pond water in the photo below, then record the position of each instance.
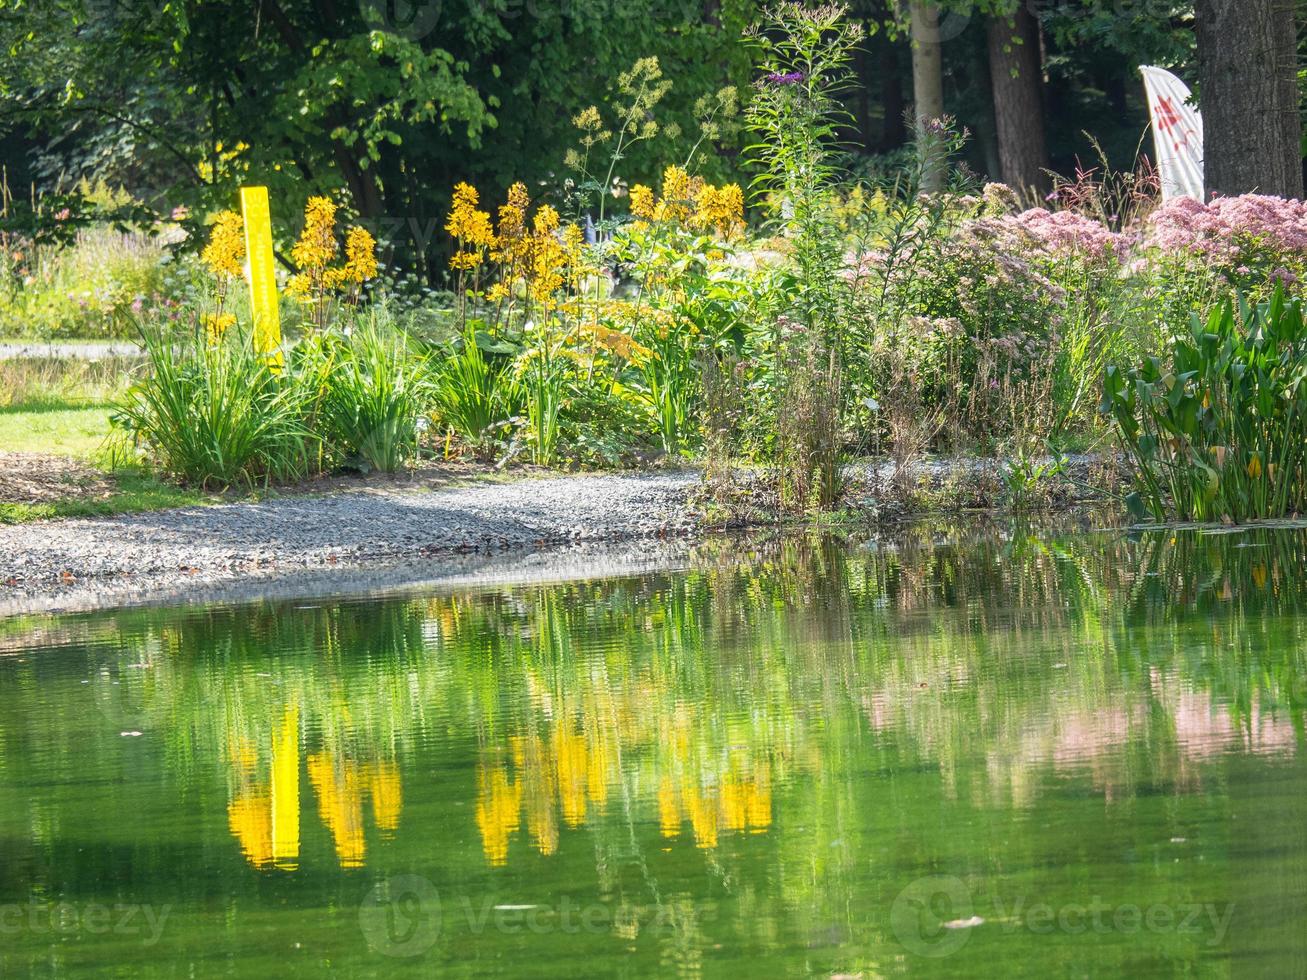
(967, 754)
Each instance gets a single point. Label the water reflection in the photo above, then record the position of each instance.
(767, 708)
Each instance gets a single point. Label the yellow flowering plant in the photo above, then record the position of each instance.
(530, 284)
(319, 279)
(224, 255)
(689, 293)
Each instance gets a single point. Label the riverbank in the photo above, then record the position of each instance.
(355, 534)
(374, 526)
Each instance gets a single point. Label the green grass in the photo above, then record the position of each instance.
(135, 493)
(71, 427)
(56, 428)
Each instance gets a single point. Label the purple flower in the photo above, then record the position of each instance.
(790, 78)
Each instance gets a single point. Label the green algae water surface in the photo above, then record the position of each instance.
(962, 755)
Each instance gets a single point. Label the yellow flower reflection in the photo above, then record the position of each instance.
(264, 812)
(264, 816)
(340, 805)
(566, 777)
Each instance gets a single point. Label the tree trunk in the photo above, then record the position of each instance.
(1247, 72)
(927, 89)
(1017, 81)
(893, 130)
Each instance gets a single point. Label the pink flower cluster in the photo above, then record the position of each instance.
(1068, 233)
(1224, 230)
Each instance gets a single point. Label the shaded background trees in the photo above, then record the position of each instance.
(388, 104)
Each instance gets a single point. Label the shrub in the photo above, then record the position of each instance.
(1218, 429)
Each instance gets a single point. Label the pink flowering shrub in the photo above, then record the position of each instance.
(1067, 234)
(971, 305)
(1250, 240)
(988, 300)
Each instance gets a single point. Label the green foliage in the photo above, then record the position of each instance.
(95, 285)
(371, 388)
(1217, 430)
(188, 98)
(218, 414)
(473, 389)
(543, 384)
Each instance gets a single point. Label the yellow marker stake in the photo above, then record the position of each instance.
(262, 272)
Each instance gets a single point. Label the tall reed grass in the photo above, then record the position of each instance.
(218, 414)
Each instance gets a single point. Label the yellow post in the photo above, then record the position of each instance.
(262, 274)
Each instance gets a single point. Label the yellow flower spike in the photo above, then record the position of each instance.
(469, 226)
(730, 201)
(574, 243)
(546, 220)
(225, 252)
(678, 195)
(317, 244)
(512, 224)
(216, 326)
(642, 202)
(360, 256)
(1255, 468)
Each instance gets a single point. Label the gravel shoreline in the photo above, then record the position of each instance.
(69, 563)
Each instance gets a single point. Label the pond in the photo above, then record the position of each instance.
(964, 753)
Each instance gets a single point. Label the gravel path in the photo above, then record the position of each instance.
(11, 350)
(368, 526)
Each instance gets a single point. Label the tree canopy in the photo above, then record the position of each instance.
(388, 104)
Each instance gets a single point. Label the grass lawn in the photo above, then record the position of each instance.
(77, 430)
(58, 428)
